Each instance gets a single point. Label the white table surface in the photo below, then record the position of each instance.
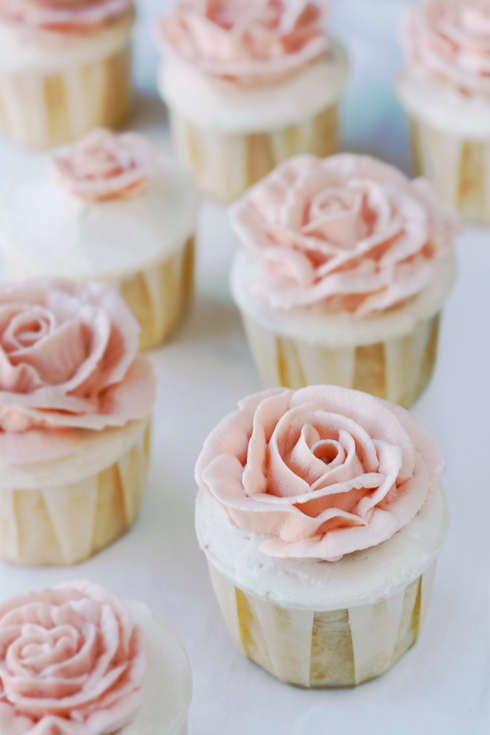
(440, 687)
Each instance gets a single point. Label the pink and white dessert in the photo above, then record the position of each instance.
(76, 660)
(344, 268)
(445, 89)
(75, 410)
(108, 208)
(65, 68)
(321, 515)
(248, 85)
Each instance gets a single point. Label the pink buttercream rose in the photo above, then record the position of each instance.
(64, 15)
(104, 165)
(325, 471)
(450, 41)
(68, 362)
(71, 662)
(345, 233)
(247, 42)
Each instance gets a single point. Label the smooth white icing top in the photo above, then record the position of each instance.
(44, 229)
(219, 105)
(340, 329)
(167, 687)
(443, 107)
(25, 49)
(95, 451)
(361, 578)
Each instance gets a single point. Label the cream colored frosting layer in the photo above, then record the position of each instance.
(24, 49)
(46, 229)
(216, 104)
(167, 688)
(443, 107)
(95, 451)
(357, 579)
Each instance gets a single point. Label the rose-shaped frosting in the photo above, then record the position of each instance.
(449, 40)
(63, 15)
(324, 470)
(345, 233)
(247, 42)
(71, 662)
(104, 165)
(68, 361)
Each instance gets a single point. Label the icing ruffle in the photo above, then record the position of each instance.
(346, 233)
(63, 15)
(325, 470)
(249, 43)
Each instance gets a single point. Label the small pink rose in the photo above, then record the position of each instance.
(65, 15)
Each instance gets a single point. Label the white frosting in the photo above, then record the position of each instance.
(25, 49)
(44, 229)
(219, 105)
(341, 329)
(167, 687)
(361, 578)
(96, 451)
(443, 107)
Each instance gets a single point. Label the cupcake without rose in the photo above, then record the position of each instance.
(75, 410)
(343, 272)
(65, 68)
(248, 85)
(77, 660)
(445, 90)
(107, 208)
(321, 516)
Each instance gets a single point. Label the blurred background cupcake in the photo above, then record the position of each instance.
(108, 208)
(65, 68)
(344, 270)
(248, 85)
(445, 89)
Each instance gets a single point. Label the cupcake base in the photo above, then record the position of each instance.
(225, 165)
(397, 369)
(42, 110)
(57, 513)
(459, 169)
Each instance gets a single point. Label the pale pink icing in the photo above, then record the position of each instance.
(345, 233)
(68, 360)
(449, 40)
(104, 165)
(247, 42)
(63, 15)
(324, 470)
(72, 662)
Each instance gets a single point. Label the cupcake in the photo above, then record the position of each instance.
(248, 85)
(76, 660)
(65, 68)
(344, 270)
(107, 208)
(74, 420)
(321, 517)
(445, 89)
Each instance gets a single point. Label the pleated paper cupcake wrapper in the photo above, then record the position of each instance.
(68, 523)
(41, 110)
(322, 649)
(459, 169)
(225, 165)
(397, 369)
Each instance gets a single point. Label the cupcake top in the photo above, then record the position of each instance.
(101, 208)
(346, 234)
(320, 472)
(448, 41)
(246, 42)
(69, 366)
(64, 16)
(71, 661)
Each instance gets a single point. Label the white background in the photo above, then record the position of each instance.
(440, 687)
